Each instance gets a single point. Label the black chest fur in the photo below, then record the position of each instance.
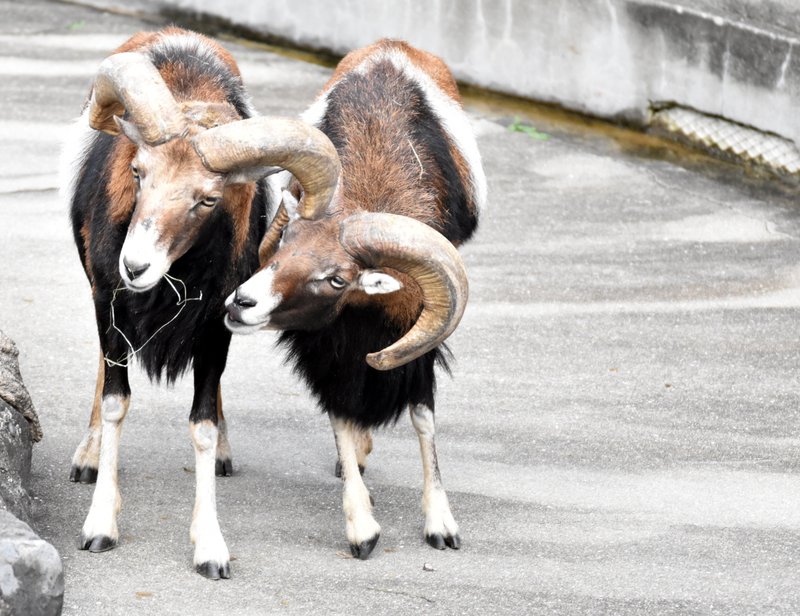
(332, 362)
(165, 327)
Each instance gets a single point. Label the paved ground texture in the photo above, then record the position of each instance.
(620, 434)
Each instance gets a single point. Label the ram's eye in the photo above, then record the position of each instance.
(209, 201)
(337, 282)
(135, 172)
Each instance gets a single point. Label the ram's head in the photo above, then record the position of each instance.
(317, 260)
(184, 161)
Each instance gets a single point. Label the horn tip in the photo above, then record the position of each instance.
(380, 361)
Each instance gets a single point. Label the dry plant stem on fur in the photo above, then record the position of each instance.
(181, 303)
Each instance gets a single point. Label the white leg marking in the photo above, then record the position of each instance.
(362, 529)
(440, 526)
(211, 556)
(102, 518)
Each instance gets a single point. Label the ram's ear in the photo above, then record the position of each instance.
(129, 130)
(290, 202)
(377, 282)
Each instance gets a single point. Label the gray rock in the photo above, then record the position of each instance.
(31, 574)
(12, 389)
(15, 463)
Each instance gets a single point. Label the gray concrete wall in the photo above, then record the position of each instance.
(608, 58)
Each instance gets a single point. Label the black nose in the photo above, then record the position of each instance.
(242, 300)
(134, 270)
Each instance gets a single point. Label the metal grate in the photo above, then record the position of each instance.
(727, 136)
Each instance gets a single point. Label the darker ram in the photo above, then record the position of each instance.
(375, 273)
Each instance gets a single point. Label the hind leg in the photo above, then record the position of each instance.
(87, 455)
(363, 449)
(224, 465)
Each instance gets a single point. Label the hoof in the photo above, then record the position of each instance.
(83, 474)
(213, 570)
(338, 469)
(101, 543)
(223, 468)
(364, 549)
(439, 541)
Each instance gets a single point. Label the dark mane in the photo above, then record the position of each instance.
(331, 360)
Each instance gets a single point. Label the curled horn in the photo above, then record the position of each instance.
(269, 244)
(414, 248)
(258, 146)
(129, 82)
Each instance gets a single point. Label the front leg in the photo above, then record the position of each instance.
(362, 529)
(100, 531)
(211, 558)
(440, 527)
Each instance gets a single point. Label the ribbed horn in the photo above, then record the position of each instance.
(414, 248)
(129, 82)
(254, 147)
(269, 244)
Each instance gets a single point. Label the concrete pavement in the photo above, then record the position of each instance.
(620, 435)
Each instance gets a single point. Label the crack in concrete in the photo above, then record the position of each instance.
(400, 592)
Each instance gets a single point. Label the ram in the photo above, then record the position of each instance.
(376, 268)
(163, 173)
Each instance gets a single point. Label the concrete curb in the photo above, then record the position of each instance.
(615, 59)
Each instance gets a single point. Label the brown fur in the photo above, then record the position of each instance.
(96, 419)
(86, 234)
(238, 200)
(379, 148)
(220, 416)
(410, 184)
(179, 171)
(121, 187)
(185, 168)
(201, 90)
